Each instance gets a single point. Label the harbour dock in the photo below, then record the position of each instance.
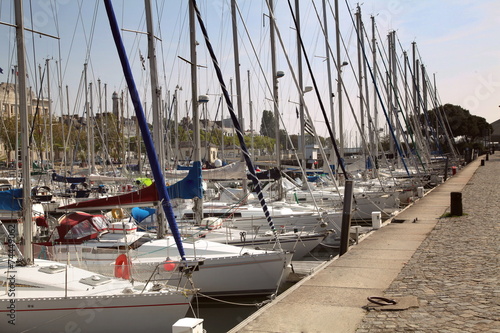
(442, 272)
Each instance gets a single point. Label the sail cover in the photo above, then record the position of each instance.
(188, 188)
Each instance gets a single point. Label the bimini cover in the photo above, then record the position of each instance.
(77, 227)
(11, 200)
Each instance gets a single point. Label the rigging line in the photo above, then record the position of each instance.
(36, 109)
(257, 56)
(236, 123)
(438, 99)
(154, 163)
(330, 53)
(308, 119)
(344, 86)
(159, 18)
(58, 64)
(316, 89)
(388, 81)
(69, 134)
(407, 121)
(425, 112)
(434, 100)
(383, 108)
(411, 95)
(371, 123)
(34, 50)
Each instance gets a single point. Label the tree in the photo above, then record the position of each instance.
(268, 124)
(465, 127)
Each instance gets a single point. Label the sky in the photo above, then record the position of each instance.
(456, 40)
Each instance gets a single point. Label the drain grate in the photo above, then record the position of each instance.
(398, 221)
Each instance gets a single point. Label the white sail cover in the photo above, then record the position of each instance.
(228, 172)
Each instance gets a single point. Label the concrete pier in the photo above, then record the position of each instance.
(449, 266)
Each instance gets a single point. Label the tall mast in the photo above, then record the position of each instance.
(339, 80)
(272, 32)
(16, 97)
(301, 91)
(395, 92)
(155, 91)
(176, 127)
(155, 100)
(359, 29)
(51, 132)
(251, 116)
(238, 81)
(329, 70)
(198, 202)
(25, 156)
(374, 138)
(63, 123)
(90, 129)
(87, 113)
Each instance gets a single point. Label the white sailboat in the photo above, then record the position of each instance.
(45, 296)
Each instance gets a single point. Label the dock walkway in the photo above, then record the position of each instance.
(448, 265)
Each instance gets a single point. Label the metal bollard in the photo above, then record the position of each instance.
(456, 204)
(487, 157)
(482, 162)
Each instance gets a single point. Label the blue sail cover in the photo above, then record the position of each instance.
(11, 200)
(190, 186)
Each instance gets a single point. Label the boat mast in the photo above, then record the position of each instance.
(155, 91)
(25, 156)
(155, 98)
(330, 83)
(250, 106)
(238, 83)
(90, 129)
(339, 81)
(301, 91)
(198, 202)
(275, 94)
(51, 133)
(359, 29)
(374, 131)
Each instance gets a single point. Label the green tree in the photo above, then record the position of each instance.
(8, 133)
(268, 124)
(466, 128)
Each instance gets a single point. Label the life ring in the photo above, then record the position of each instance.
(117, 213)
(122, 267)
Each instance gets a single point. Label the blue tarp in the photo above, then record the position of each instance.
(11, 200)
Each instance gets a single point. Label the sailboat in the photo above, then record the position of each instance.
(46, 296)
(222, 270)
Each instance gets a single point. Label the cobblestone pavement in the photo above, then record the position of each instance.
(455, 272)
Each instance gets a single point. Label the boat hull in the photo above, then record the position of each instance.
(94, 314)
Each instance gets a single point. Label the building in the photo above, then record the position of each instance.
(9, 109)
